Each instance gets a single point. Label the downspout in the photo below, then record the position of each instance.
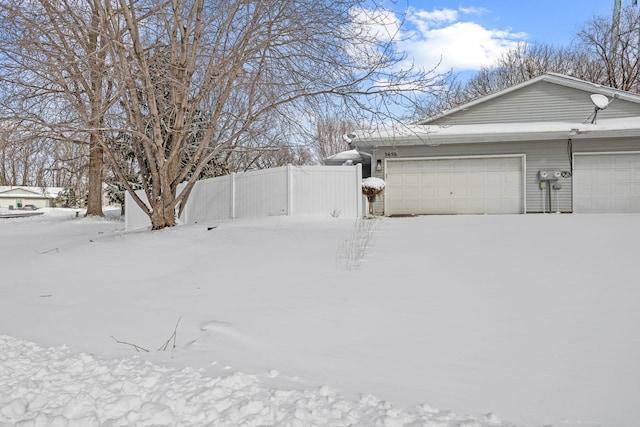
(370, 157)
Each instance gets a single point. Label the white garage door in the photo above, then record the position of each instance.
(454, 186)
(606, 183)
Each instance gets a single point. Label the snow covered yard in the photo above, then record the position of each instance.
(495, 320)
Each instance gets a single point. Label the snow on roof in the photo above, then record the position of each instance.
(496, 132)
(346, 155)
(30, 192)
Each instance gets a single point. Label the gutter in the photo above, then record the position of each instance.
(469, 134)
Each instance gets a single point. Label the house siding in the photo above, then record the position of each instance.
(605, 146)
(543, 101)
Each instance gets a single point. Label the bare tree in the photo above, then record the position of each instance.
(56, 68)
(267, 146)
(24, 159)
(227, 67)
(328, 138)
(616, 48)
(190, 82)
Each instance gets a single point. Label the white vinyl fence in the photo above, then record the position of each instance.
(287, 190)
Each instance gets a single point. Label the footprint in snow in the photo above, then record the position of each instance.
(222, 328)
(217, 326)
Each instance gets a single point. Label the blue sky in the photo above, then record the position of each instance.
(473, 33)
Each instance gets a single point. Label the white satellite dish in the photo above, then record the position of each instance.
(600, 101)
(348, 137)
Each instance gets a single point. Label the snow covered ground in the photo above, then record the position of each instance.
(494, 320)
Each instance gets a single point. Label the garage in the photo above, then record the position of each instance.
(472, 185)
(606, 183)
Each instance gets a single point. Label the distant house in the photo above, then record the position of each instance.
(17, 197)
(550, 144)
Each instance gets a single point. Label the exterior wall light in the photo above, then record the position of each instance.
(378, 165)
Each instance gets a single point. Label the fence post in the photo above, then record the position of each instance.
(359, 197)
(289, 190)
(232, 182)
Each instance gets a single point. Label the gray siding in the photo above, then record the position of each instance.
(378, 205)
(542, 101)
(553, 155)
(605, 146)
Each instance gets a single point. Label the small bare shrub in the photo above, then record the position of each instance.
(357, 244)
(171, 341)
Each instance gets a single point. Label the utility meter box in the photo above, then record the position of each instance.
(549, 175)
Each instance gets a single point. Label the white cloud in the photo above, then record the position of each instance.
(461, 44)
(474, 10)
(426, 19)
(452, 38)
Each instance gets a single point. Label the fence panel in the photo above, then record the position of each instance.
(261, 193)
(326, 190)
(304, 190)
(210, 200)
(134, 217)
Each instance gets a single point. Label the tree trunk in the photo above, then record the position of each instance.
(96, 174)
(96, 155)
(162, 215)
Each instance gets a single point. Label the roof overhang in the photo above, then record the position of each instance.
(500, 132)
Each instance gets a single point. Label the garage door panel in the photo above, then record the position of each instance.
(442, 192)
(513, 178)
(459, 179)
(476, 179)
(477, 192)
(410, 167)
(427, 179)
(440, 178)
(427, 192)
(459, 193)
(494, 178)
(425, 167)
(457, 186)
(607, 183)
(624, 175)
(410, 179)
(494, 193)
